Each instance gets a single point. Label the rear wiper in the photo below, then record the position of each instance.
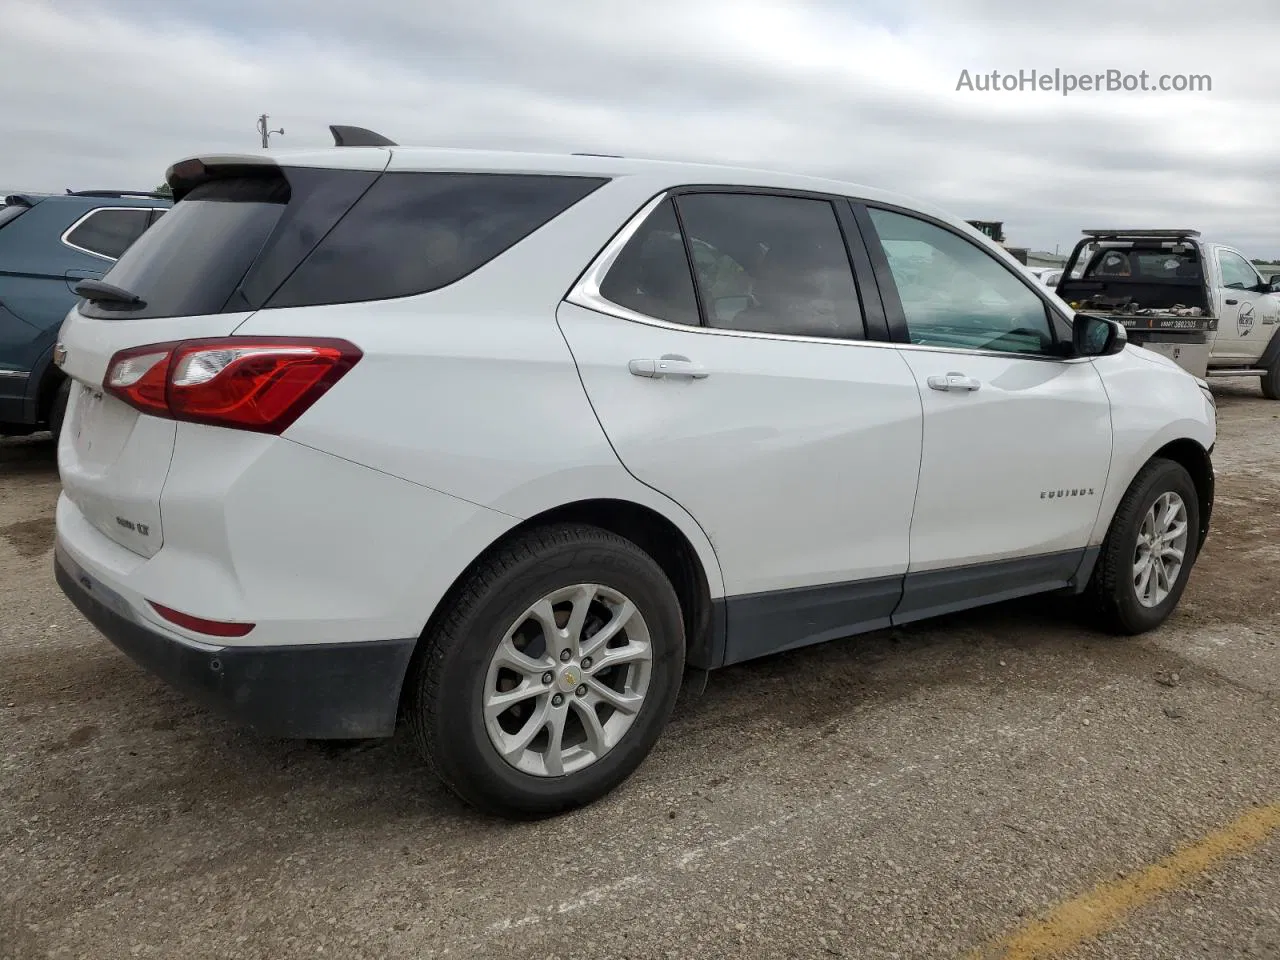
(95, 291)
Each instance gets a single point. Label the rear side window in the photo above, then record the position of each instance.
(108, 232)
(192, 259)
(416, 232)
(651, 275)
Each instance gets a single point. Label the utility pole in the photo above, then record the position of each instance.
(266, 134)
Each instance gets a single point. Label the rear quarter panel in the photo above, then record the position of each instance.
(472, 391)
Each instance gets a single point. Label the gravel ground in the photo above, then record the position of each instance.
(914, 793)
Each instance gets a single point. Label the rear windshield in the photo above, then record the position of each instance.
(189, 262)
(1168, 262)
(313, 237)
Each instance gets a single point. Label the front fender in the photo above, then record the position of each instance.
(1153, 404)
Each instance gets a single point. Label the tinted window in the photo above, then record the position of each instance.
(1236, 271)
(772, 264)
(651, 274)
(955, 294)
(108, 232)
(416, 232)
(192, 259)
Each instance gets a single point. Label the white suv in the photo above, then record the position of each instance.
(508, 445)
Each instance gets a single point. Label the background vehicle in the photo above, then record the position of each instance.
(48, 243)
(1201, 303)
(510, 444)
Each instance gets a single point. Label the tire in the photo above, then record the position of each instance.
(1271, 381)
(1114, 587)
(58, 409)
(456, 669)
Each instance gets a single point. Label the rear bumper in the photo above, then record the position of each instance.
(313, 691)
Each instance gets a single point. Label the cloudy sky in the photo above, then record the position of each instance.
(107, 93)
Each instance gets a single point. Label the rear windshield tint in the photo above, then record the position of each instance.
(307, 237)
(417, 232)
(191, 260)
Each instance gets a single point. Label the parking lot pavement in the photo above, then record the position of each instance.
(949, 790)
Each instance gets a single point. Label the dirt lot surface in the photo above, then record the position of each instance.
(927, 792)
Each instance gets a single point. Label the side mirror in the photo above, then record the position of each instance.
(1097, 336)
(1275, 283)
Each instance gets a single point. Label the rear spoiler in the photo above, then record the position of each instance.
(186, 175)
(19, 200)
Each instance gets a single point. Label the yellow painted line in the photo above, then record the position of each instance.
(1105, 906)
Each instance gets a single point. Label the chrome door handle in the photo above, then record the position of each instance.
(954, 381)
(668, 365)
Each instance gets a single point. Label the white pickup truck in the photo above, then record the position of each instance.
(1202, 304)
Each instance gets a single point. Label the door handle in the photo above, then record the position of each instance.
(668, 365)
(954, 381)
(1231, 302)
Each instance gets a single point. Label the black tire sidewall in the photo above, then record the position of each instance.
(1164, 477)
(462, 749)
(1271, 380)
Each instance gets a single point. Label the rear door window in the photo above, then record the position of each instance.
(772, 264)
(108, 231)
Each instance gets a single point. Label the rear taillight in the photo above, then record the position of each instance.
(246, 383)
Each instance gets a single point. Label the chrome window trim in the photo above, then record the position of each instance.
(586, 294)
(93, 253)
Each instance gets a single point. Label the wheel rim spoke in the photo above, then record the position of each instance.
(554, 757)
(496, 703)
(1144, 582)
(545, 614)
(582, 600)
(512, 659)
(632, 653)
(597, 737)
(610, 630)
(517, 744)
(629, 703)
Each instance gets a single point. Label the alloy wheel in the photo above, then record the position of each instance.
(567, 680)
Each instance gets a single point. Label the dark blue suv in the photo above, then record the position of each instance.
(48, 244)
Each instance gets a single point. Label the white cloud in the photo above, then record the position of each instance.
(109, 93)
